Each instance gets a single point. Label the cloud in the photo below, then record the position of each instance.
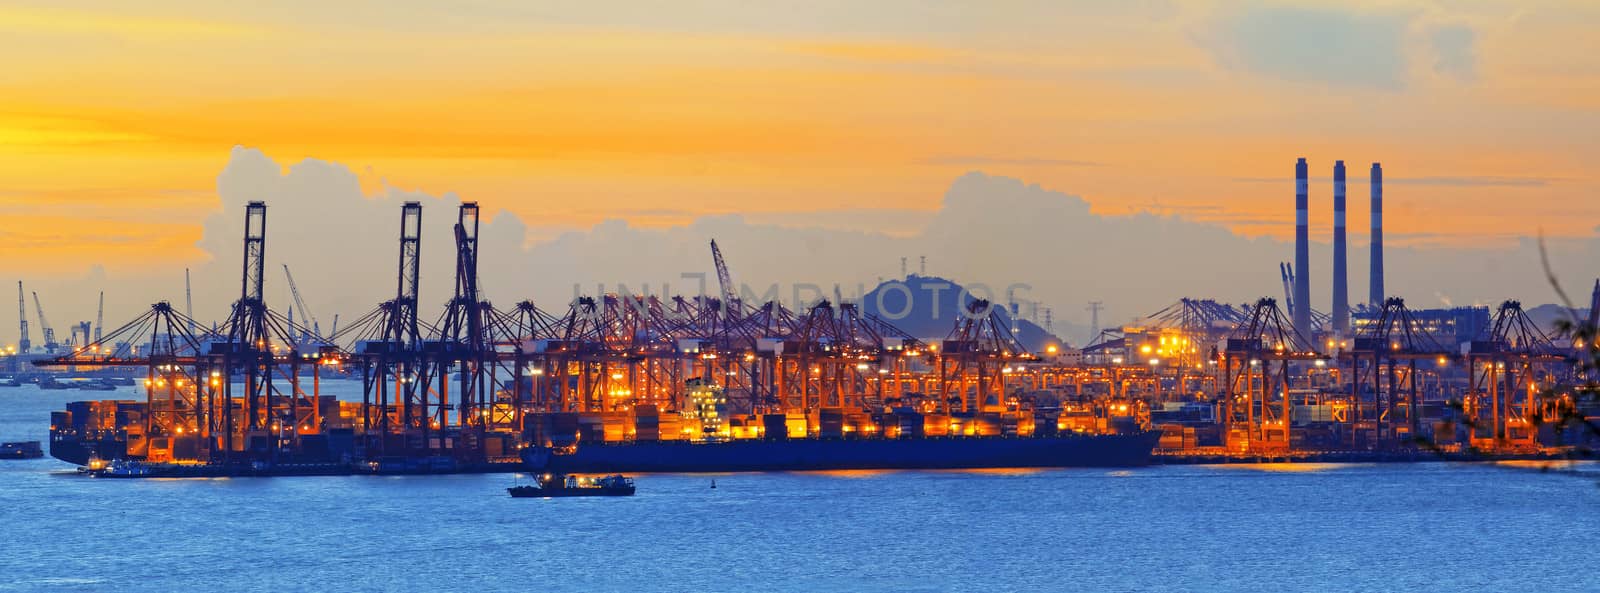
(1455, 54)
(82, 22)
(341, 244)
(982, 160)
(1311, 44)
(890, 221)
(989, 229)
(1473, 181)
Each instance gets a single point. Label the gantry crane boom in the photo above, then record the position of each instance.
(44, 326)
(729, 297)
(298, 302)
(1287, 272)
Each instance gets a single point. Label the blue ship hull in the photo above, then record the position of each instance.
(1119, 450)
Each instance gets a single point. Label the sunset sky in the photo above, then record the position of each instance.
(116, 118)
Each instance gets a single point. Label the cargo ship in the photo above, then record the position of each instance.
(809, 454)
(701, 438)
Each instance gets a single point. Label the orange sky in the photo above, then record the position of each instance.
(114, 122)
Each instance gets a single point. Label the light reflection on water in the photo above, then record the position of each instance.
(1295, 468)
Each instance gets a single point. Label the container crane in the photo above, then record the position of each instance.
(1287, 271)
(305, 312)
(188, 300)
(729, 298)
(50, 344)
(22, 314)
(100, 318)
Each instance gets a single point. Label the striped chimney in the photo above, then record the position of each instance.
(1341, 289)
(1376, 286)
(1302, 252)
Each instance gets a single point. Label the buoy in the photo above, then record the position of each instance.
(713, 484)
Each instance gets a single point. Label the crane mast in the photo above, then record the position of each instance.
(44, 326)
(22, 314)
(100, 318)
(188, 300)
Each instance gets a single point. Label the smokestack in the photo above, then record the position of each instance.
(1341, 289)
(1302, 252)
(1376, 285)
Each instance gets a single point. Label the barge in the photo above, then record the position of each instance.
(815, 454)
(562, 486)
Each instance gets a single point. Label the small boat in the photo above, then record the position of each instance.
(10, 382)
(556, 485)
(96, 386)
(123, 468)
(21, 450)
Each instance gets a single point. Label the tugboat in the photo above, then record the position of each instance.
(123, 468)
(21, 450)
(559, 485)
(50, 384)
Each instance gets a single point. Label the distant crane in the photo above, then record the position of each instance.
(50, 344)
(729, 298)
(22, 314)
(188, 300)
(305, 312)
(1594, 307)
(100, 318)
(1287, 271)
(1094, 320)
(335, 330)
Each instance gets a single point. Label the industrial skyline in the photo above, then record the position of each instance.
(990, 229)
